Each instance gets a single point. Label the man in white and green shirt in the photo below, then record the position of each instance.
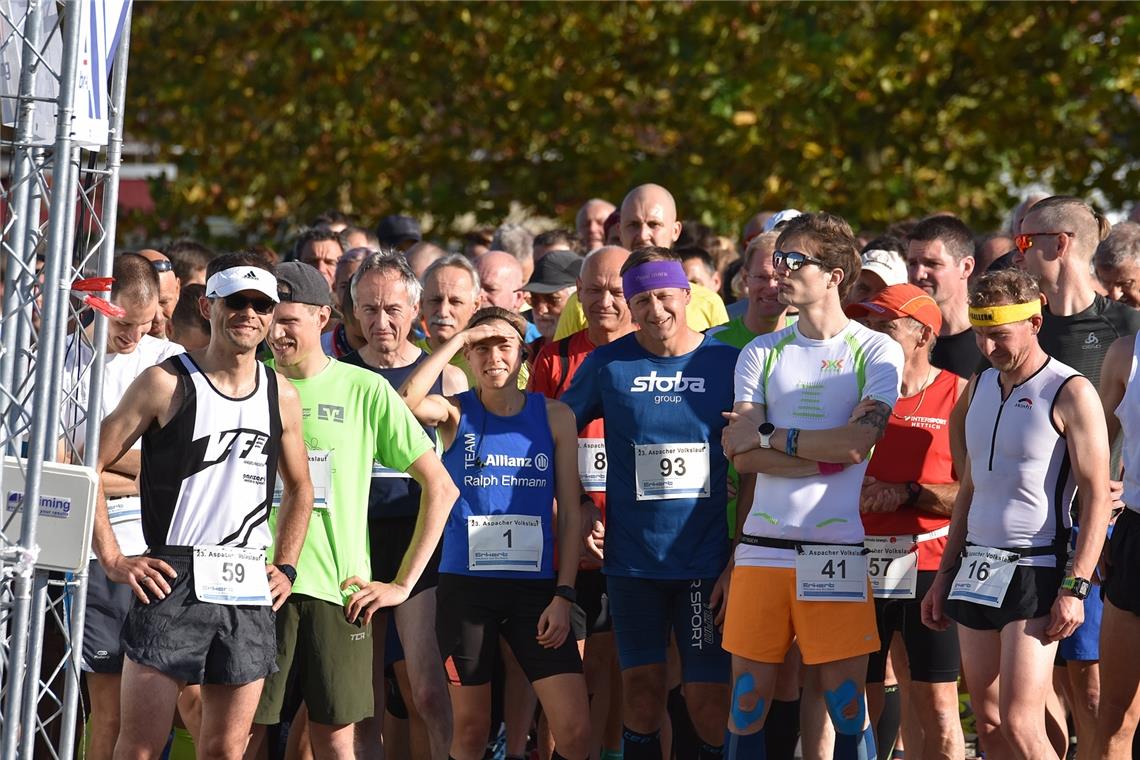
(351, 417)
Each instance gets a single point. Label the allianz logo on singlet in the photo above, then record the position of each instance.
(675, 383)
(249, 444)
(471, 457)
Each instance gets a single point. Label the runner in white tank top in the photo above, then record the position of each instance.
(202, 612)
(1030, 419)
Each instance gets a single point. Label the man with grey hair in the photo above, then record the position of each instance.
(386, 296)
(452, 290)
(518, 241)
(1117, 263)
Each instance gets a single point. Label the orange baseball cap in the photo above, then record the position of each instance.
(896, 301)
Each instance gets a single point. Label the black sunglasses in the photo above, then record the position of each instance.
(238, 302)
(793, 260)
(162, 265)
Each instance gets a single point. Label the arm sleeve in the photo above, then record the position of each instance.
(584, 394)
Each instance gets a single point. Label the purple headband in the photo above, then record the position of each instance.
(653, 275)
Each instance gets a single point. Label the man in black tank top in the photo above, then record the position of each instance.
(202, 612)
(1058, 240)
(386, 297)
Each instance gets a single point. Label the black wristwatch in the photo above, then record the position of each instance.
(1078, 587)
(289, 572)
(569, 593)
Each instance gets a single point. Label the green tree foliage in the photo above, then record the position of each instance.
(877, 111)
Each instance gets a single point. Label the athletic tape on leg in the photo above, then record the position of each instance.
(847, 694)
(741, 718)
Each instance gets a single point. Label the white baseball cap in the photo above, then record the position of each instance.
(780, 217)
(236, 279)
(887, 264)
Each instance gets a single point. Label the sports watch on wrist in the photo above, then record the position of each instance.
(1078, 587)
(569, 593)
(766, 431)
(289, 572)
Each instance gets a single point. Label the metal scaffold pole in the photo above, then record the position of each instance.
(61, 154)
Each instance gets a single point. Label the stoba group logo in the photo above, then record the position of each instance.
(675, 383)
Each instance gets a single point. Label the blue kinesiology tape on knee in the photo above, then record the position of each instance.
(742, 718)
(751, 747)
(846, 694)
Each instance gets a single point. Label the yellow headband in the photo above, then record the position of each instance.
(988, 316)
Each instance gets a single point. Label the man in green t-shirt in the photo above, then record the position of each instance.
(351, 417)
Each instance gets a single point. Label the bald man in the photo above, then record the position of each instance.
(500, 277)
(168, 290)
(649, 217)
(591, 220)
(421, 255)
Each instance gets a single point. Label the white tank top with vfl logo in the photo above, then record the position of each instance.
(208, 474)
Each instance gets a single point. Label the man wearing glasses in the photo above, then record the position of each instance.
(811, 402)
(216, 427)
(1058, 239)
(168, 292)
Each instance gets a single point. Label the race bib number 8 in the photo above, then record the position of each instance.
(225, 575)
(984, 576)
(672, 471)
(592, 464)
(504, 542)
(892, 566)
(828, 573)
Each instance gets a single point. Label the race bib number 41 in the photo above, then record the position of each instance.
(984, 576)
(225, 575)
(828, 573)
(672, 471)
(504, 542)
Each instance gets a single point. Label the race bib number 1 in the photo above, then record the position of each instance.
(984, 576)
(504, 542)
(592, 464)
(225, 575)
(829, 573)
(672, 471)
(892, 566)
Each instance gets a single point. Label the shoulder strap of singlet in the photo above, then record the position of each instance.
(564, 365)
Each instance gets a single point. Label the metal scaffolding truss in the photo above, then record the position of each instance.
(58, 198)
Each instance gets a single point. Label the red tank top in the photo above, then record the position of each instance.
(916, 447)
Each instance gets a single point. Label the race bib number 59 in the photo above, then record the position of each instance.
(225, 575)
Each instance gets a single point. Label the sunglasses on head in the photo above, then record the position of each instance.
(793, 260)
(162, 265)
(238, 302)
(1024, 241)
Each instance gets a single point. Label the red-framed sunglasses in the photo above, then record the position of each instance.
(1024, 241)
